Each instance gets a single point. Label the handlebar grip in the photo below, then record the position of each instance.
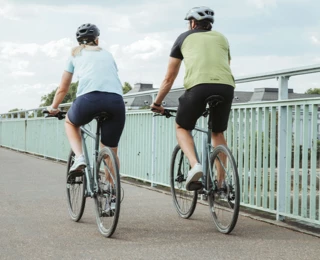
(60, 115)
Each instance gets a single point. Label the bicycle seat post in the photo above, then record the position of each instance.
(213, 101)
(99, 118)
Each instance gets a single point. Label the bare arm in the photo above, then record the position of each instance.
(172, 72)
(62, 90)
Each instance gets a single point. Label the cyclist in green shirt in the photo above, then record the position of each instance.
(206, 56)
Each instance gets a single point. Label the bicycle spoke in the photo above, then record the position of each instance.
(108, 198)
(184, 201)
(75, 193)
(225, 198)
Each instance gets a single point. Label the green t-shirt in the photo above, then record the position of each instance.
(206, 56)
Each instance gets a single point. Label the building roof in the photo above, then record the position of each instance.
(139, 101)
(172, 99)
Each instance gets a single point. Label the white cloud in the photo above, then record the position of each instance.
(145, 49)
(150, 47)
(120, 24)
(14, 49)
(51, 49)
(315, 40)
(261, 4)
(20, 73)
(143, 60)
(55, 48)
(23, 96)
(8, 11)
(19, 68)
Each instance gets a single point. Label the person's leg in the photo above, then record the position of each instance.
(112, 128)
(220, 116)
(74, 137)
(218, 139)
(110, 178)
(186, 143)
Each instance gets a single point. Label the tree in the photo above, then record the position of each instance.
(126, 88)
(70, 97)
(313, 91)
(48, 99)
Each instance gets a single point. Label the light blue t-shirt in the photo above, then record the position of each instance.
(96, 71)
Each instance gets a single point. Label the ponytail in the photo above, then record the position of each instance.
(88, 46)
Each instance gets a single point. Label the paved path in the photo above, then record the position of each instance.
(34, 224)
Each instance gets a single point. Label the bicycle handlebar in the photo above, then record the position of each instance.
(166, 113)
(60, 115)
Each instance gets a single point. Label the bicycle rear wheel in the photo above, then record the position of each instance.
(108, 197)
(224, 200)
(184, 201)
(76, 186)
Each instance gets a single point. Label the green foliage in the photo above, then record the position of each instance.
(70, 97)
(313, 91)
(126, 88)
(48, 99)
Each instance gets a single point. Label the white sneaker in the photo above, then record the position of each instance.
(79, 164)
(194, 174)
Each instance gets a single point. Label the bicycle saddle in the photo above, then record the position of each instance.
(214, 100)
(102, 116)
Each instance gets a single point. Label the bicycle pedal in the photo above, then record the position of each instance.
(197, 185)
(76, 174)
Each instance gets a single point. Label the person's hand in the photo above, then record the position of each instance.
(53, 111)
(157, 108)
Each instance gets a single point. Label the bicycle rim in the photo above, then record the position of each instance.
(108, 197)
(183, 200)
(224, 200)
(75, 189)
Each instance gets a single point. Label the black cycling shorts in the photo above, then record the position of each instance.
(192, 104)
(87, 106)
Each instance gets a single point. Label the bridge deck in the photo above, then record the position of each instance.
(34, 224)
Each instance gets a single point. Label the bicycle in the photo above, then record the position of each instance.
(223, 195)
(100, 182)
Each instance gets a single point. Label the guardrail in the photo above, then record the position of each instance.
(275, 145)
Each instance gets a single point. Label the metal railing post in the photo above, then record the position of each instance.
(153, 145)
(282, 148)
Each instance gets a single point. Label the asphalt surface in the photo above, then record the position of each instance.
(34, 224)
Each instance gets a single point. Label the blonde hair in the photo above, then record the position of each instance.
(88, 46)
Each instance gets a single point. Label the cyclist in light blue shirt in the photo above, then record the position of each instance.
(99, 90)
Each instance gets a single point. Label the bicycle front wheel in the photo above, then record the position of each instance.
(224, 198)
(108, 197)
(184, 201)
(76, 186)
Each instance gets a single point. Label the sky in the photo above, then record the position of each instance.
(37, 36)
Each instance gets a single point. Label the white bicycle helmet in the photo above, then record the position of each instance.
(200, 13)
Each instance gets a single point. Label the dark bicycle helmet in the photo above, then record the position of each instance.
(87, 31)
(200, 13)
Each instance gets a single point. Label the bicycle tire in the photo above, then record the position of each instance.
(225, 200)
(184, 201)
(107, 193)
(75, 190)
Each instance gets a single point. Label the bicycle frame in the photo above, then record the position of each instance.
(92, 182)
(206, 147)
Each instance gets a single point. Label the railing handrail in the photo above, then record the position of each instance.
(280, 73)
(258, 77)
